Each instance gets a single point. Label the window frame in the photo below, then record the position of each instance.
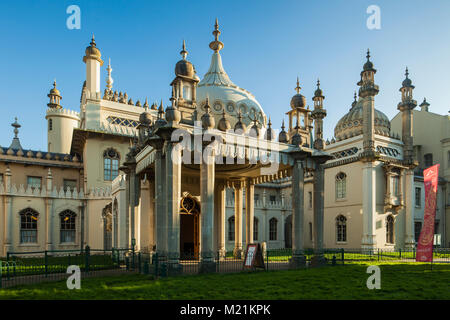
(418, 192)
(111, 163)
(341, 186)
(390, 230)
(273, 229)
(231, 229)
(341, 229)
(63, 226)
(30, 231)
(33, 185)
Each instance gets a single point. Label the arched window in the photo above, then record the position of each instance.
(231, 228)
(390, 229)
(341, 180)
(255, 228)
(273, 229)
(28, 225)
(341, 228)
(110, 164)
(67, 226)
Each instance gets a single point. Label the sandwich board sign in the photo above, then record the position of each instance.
(254, 257)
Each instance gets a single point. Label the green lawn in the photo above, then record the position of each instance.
(398, 281)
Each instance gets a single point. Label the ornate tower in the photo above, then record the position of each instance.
(318, 114)
(405, 107)
(299, 115)
(93, 62)
(60, 123)
(368, 90)
(184, 88)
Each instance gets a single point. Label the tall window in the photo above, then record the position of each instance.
(34, 182)
(273, 229)
(418, 197)
(28, 226)
(273, 198)
(389, 229)
(341, 228)
(310, 231)
(231, 228)
(187, 92)
(67, 218)
(111, 164)
(50, 125)
(436, 227)
(255, 228)
(341, 180)
(395, 185)
(428, 158)
(417, 229)
(310, 199)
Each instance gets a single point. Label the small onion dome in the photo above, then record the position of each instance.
(224, 124)
(154, 106)
(254, 130)
(318, 93)
(239, 127)
(283, 136)
(368, 66)
(54, 91)
(138, 104)
(298, 101)
(92, 52)
(407, 83)
(145, 118)
(270, 133)
(184, 67)
(207, 118)
(130, 102)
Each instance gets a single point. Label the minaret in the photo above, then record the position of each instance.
(424, 105)
(93, 62)
(299, 114)
(367, 91)
(15, 144)
(405, 107)
(318, 114)
(184, 87)
(109, 79)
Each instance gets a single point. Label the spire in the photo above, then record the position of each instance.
(216, 45)
(424, 105)
(216, 75)
(184, 52)
(297, 88)
(93, 41)
(109, 80)
(15, 144)
(407, 83)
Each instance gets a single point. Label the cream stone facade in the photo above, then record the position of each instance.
(117, 173)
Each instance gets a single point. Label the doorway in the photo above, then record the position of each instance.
(189, 228)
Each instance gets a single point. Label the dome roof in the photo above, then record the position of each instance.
(351, 124)
(298, 101)
(224, 95)
(92, 52)
(184, 68)
(145, 118)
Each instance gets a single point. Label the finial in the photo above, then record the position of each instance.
(109, 79)
(368, 54)
(354, 96)
(318, 83)
(406, 73)
(54, 85)
(93, 41)
(298, 86)
(216, 45)
(183, 52)
(282, 125)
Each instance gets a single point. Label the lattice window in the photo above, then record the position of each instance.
(388, 151)
(345, 153)
(28, 225)
(123, 121)
(67, 219)
(341, 228)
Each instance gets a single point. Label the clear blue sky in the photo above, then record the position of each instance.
(267, 44)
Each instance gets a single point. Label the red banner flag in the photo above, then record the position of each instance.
(425, 245)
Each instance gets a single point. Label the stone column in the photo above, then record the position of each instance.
(160, 204)
(369, 206)
(221, 201)
(409, 210)
(8, 226)
(132, 201)
(173, 194)
(298, 207)
(249, 212)
(49, 215)
(238, 195)
(127, 208)
(207, 183)
(319, 186)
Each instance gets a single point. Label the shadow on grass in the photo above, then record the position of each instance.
(398, 281)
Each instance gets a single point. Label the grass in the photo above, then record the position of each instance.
(398, 281)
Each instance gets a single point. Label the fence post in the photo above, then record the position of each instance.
(46, 263)
(343, 255)
(400, 253)
(139, 262)
(86, 261)
(155, 261)
(378, 253)
(267, 260)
